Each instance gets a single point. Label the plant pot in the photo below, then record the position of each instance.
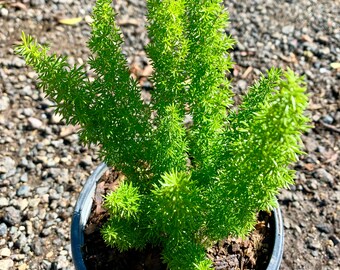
(83, 209)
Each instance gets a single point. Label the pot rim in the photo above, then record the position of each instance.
(83, 208)
(81, 214)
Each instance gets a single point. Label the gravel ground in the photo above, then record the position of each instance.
(43, 166)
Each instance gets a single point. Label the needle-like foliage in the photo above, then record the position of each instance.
(184, 187)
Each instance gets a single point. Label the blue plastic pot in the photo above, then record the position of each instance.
(83, 209)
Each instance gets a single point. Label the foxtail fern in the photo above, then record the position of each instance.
(184, 187)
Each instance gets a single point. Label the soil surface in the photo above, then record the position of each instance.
(43, 166)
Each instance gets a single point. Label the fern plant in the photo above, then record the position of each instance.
(184, 188)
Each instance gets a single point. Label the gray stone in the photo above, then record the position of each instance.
(37, 248)
(29, 227)
(54, 195)
(335, 196)
(313, 184)
(24, 177)
(22, 203)
(286, 196)
(13, 231)
(4, 12)
(18, 257)
(27, 91)
(5, 252)
(6, 264)
(334, 239)
(242, 84)
(4, 202)
(288, 29)
(63, 262)
(315, 253)
(57, 242)
(6, 165)
(12, 216)
(26, 249)
(23, 162)
(23, 191)
(314, 245)
(331, 253)
(86, 161)
(35, 3)
(57, 143)
(35, 123)
(46, 232)
(34, 202)
(311, 144)
(47, 264)
(56, 118)
(28, 111)
(42, 190)
(324, 227)
(49, 223)
(18, 62)
(56, 172)
(328, 119)
(21, 241)
(3, 229)
(324, 70)
(4, 103)
(325, 176)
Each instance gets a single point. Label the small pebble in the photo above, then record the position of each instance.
(4, 103)
(6, 264)
(23, 191)
(288, 29)
(37, 248)
(4, 12)
(325, 228)
(5, 252)
(314, 245)
(6, 164)
(4, 202)
(325, 176)
(35, 123)
(3, 229)
(12, 216)
(335, 239)
(86, 161)
(24, 177)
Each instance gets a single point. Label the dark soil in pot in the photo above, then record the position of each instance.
(253, 252)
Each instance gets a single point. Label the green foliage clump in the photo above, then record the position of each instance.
(185, 187)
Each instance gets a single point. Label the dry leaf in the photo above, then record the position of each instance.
(335, 65)
(310, 166)
(70, 21)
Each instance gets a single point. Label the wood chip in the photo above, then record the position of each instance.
(330, 127)
(133, 22)
(247, 72)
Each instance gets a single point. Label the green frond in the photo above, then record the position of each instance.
(123, 202)
(168, 51)
(209, 90)
(170, 151)
(186, 255)
(66, 86)
(176, 205)
(118, 105)
(123, 234)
